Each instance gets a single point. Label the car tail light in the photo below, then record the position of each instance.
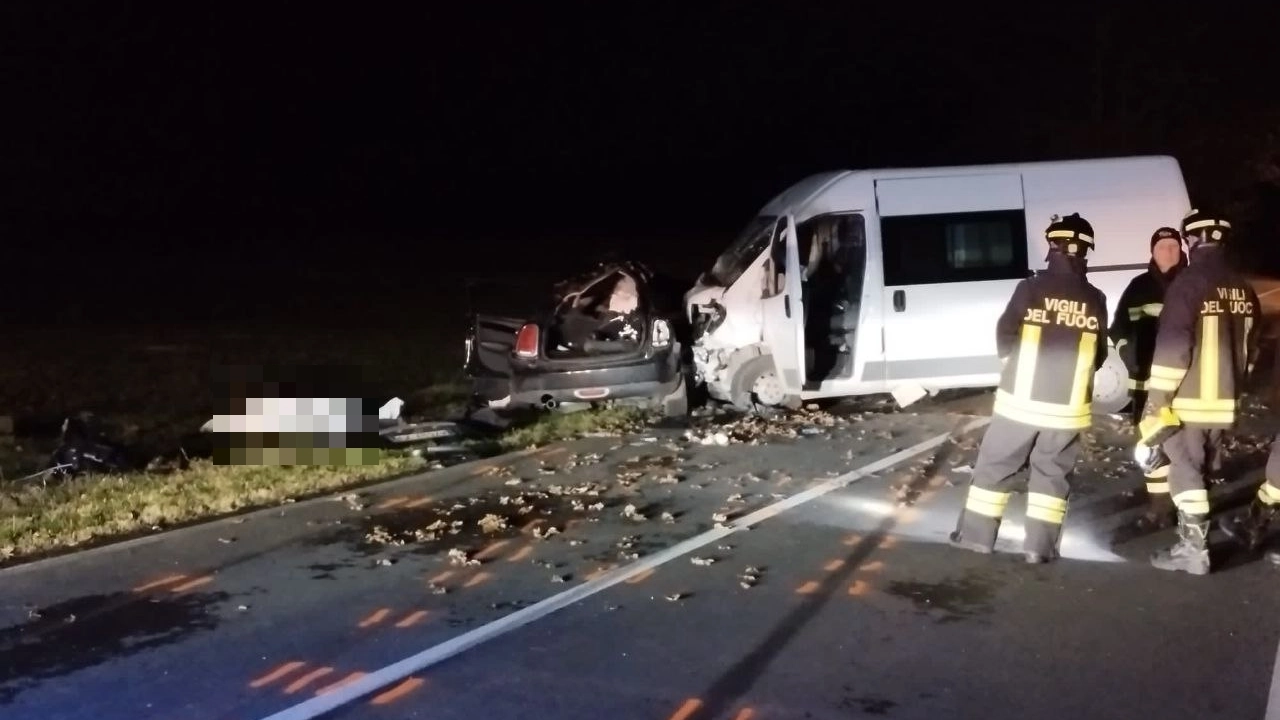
(527, 341)
(661, 336)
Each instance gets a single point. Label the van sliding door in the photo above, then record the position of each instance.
(953, 248)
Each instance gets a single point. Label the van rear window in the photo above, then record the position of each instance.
(954, 247)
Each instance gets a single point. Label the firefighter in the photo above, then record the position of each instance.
(1206, 344)
(1251, 530)
(1051, 339)
(1133, 334)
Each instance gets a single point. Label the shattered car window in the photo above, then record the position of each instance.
(734, 261)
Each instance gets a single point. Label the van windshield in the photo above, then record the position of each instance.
(752, 241)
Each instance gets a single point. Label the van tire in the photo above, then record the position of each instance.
(743, 389)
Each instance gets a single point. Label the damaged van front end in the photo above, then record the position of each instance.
(729, 353)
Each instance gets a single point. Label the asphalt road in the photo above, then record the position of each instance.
(829, 593)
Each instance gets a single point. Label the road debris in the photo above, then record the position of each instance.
(491, 523)
(541, 534)
(629, 512)
(458, 556)
(701, 561)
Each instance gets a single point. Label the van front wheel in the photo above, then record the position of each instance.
(757, 385)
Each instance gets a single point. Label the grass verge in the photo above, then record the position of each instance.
(39, 520)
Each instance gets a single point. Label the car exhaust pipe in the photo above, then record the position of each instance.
(549, 403)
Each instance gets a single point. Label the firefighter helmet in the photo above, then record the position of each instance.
(1206, 226)
(1072, 234)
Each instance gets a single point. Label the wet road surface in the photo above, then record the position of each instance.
(797, 588)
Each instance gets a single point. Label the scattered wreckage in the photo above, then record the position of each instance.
(609, 335)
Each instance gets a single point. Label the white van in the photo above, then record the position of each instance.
(891, 281)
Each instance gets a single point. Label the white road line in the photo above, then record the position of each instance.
(1273, 697)
(379, 679)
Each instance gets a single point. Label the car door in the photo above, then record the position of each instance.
(783, 308)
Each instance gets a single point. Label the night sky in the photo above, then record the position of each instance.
(143, 142)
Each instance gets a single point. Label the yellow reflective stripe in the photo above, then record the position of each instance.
(1152, 309)
(1137, 384)
(1044, 414)
(1209, 357)
(986, 502)
(1269, 494)
(1244, 342)
(1193, 502)
(1135, 313)
(1028, 352)
(1046, 508)
(1070, 234)
(1168, 373)
(1208, 417)
(1085, 353)
(1204, 404)
(1158, 488)
(1164, 384)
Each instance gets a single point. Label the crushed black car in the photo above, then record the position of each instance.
(616, 333)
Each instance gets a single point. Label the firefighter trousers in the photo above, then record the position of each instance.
(1269, 492)
(1006, 448)
(1191, 451)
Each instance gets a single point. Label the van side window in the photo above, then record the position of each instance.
(954, 247)
(775, 267)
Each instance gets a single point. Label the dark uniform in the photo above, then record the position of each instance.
(1205, 347)
(1052, 339)
(1251, 529)
(1133, 333)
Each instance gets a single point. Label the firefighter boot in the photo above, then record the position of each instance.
(1191, 553)
(1251, 529)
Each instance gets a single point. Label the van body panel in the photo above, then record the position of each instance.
(934, 326)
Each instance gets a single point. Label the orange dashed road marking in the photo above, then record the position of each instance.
(807, 588)
(833, 565)
(871, 567)
(391, 502)
(344, 681)
(852, 540)
(159, 583)
(479, 578)
(419, 502)
(491, 550)
(890, 541)
(441, 577)
(376, 617)
(745, 714)
(641, 577)
(521, 554)
(192, 584)
(398, 692)
(307, 679)
(859, 587)
(276, 674)
(687, 710)
(532, 524)
(413, 619)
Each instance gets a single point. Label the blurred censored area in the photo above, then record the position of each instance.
(310, 415)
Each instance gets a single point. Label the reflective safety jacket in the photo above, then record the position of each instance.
(1133, 331)
(1052, 339)
(1207, 342)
